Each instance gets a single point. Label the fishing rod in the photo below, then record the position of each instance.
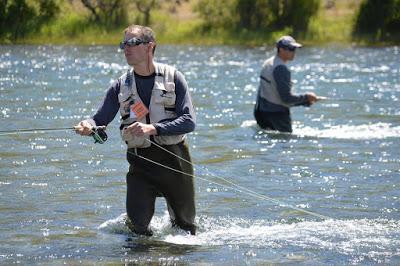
(100, 136)
(34, 130)
(98, 133)
(322, 98)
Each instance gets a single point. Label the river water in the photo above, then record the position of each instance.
(63, 197)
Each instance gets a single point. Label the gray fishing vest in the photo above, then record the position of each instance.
(161, 108)
(267, 88)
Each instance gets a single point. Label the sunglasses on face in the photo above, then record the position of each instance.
(131, 42)
(292, 49)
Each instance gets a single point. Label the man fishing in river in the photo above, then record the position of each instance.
(156, 114)
(274, 96)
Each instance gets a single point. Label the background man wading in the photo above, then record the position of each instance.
(274, 96)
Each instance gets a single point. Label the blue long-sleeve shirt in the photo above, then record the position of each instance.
(282, 78)
(185, 121)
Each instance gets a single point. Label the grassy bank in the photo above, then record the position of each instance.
(333, 25)
(73, 26)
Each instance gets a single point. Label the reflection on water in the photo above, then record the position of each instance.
(63, 198)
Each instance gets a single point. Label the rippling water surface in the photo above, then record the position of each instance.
(63, 197)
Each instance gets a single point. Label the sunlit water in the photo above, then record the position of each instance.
(63, 197)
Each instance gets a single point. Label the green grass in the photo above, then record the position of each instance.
(174, 31)
(72, 27)
(331, 26)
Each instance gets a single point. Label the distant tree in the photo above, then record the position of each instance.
(217, 14)
(18, 25)
(258, 14)
(21, 17)
(48, 10)
(252, 14)
(146, 6)
(3, 13)
(173, 4)
(378, 20)
(109, 13)
(293, 13)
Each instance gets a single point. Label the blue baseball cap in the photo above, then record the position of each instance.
(287, 42)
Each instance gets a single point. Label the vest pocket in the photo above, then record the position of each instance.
(165, 95)
(169, 113)
(125, 100)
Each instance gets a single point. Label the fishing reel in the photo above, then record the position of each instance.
(99, 135)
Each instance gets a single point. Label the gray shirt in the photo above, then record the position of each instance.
(185, 121)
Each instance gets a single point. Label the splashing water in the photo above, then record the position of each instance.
(361, 132)
(357, 238)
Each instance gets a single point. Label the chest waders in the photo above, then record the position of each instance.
(146, 180)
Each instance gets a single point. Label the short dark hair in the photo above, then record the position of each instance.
(145, 33)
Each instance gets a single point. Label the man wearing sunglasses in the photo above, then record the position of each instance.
(156, 114)
(274, 96)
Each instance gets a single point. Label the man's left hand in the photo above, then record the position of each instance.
(140, 129)
(311, 97)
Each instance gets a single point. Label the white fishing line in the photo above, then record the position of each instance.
(233, 186)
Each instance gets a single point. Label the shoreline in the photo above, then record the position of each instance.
(210, 44)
